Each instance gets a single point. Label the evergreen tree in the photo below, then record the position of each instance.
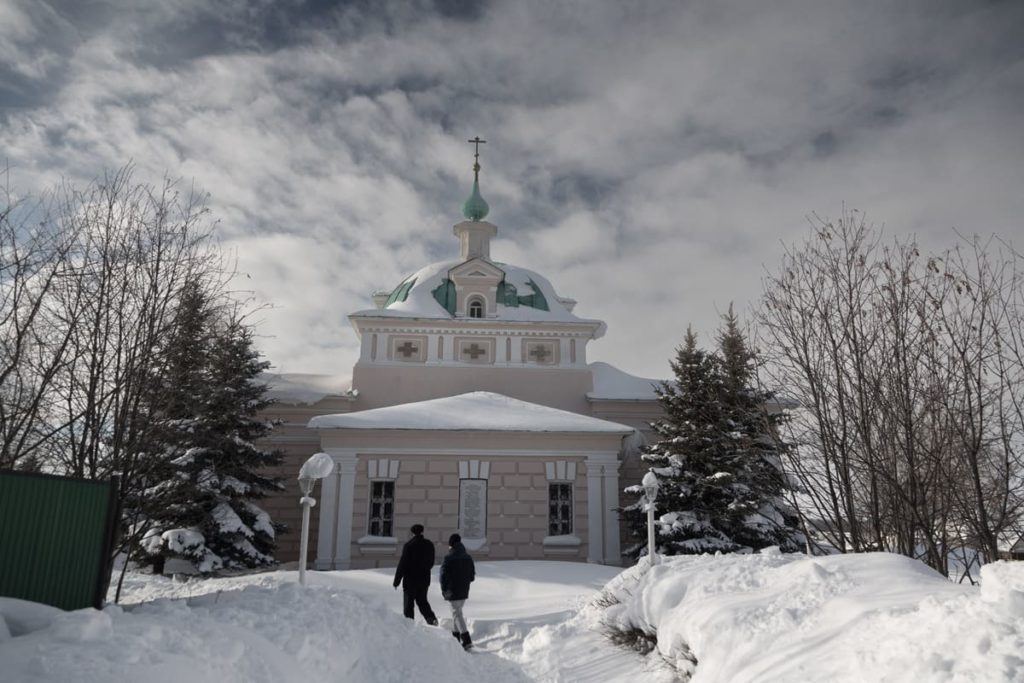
(719, 482)
(764, 519)
(204, 506)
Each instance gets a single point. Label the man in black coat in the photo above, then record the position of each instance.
(413, 573)
(457, 572)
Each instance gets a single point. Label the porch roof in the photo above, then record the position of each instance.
(475, 411)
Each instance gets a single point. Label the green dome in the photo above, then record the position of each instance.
(475, 208)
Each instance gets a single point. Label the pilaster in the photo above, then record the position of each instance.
(595, 526)
(612, 554)
(345, 464)
(602, 498)
(328, 521)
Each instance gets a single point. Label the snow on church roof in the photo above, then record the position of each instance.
(612, 383)
(419, 300)
(303, 388)
(475, 411)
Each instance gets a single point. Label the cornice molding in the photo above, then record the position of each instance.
(471, 331)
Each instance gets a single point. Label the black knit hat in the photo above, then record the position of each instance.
(416, 529)
(453, 539)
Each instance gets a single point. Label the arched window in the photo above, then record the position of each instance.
(475, 308)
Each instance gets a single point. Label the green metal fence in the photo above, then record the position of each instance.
(56, 535)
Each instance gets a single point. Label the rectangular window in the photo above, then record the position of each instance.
(559, 509)
(382, 508)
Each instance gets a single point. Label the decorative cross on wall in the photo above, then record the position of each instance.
(474, 351)
(407, 349)
(539, 353)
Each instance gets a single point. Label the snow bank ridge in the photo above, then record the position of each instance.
(870, 617)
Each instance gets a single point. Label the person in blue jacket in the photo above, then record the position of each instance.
(457, 572)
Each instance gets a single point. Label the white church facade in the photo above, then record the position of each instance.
(472, 408)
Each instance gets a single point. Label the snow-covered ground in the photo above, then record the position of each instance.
(743, 618)
(870, 617)
(344, 626)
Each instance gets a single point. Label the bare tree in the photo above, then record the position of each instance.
(819, 340)
(977, 309)
(908, 371)
(35, 250)
(89, 283)
(138, 248)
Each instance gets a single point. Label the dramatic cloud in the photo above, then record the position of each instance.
(649, 158)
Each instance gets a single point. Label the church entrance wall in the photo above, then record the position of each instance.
(501, 507)
(508, 503)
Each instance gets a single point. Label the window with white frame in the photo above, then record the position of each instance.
(559, 509)
(475, 307)
(382, 508)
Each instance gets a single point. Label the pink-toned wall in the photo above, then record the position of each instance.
(385, 385)
(427, 493)
(477, 443)
(298, 442)
(639, 415)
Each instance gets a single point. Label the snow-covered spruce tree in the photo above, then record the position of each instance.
(684, 459)
(764, 518)
(204, 507)
(720, 486)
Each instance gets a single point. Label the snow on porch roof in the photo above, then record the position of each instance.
(475, 411)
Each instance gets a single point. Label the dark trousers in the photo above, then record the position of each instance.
(419, 596)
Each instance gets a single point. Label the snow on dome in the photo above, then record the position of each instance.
(612, 383)
(414, 297)
(417, 299)
(475, 411)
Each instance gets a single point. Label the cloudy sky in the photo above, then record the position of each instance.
(649, 158)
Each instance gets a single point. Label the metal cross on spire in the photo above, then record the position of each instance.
(475, 208)
(476, 141)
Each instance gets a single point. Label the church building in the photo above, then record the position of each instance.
(472, 408)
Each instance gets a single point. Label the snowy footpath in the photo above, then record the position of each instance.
(765, 617)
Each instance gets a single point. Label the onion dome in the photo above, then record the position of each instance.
(475, 208)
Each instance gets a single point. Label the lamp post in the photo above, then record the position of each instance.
(650, 484)
(318, 466)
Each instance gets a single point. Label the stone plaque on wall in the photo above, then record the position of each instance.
(473, 508)
(540, 352)
(408, 349)
(478, 350)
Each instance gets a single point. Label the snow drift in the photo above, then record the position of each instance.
(870, 617)
(255, 635)
(766, 617)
